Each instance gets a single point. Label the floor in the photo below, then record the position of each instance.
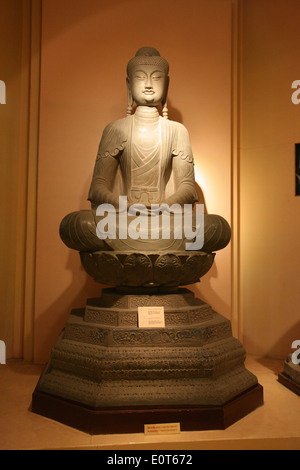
(275, 425)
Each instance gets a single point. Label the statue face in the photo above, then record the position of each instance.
(148, 85)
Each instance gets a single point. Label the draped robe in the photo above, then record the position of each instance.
(163, 173)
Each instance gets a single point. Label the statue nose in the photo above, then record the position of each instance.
(149, 83)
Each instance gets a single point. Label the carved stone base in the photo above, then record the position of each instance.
(290, 377)
(132, 420)
(117, 268)
(103, 361)
(289, 383)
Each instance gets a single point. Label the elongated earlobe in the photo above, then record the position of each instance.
(165, 111)
(129, 98)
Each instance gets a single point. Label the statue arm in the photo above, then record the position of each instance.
(183, 170)
(103, 180)
(110, 148)
(184, 183)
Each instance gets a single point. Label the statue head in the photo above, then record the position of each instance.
(147, 79)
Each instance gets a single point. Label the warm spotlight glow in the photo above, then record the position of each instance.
(211, 187)
(200, 179)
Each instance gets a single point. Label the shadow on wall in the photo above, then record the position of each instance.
(207, 292)
(75, 296)
(50, 322)
(174, 113)
(284, 344)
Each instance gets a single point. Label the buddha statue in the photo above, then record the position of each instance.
(182, 360)
(147, 159)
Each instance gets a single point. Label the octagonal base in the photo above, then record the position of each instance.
(132, 420)
(104, 368)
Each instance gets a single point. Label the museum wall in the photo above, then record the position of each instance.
(10, 66)
(270, 211)
(85, 48)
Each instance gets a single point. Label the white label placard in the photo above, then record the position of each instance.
(161, 428)
(151, 317)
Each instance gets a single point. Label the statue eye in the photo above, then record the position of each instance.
(156, 77)
(140, 76)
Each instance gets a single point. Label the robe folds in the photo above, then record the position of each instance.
(171, 166)
(161, 173)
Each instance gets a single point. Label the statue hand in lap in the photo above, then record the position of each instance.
(148, 159)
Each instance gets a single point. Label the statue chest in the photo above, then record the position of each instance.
(146, 163)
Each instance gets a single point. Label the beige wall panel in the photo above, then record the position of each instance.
(270, 212)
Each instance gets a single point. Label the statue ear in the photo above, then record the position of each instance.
(165, 100)
(129, 98)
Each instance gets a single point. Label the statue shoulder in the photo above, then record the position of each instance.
(114, 137)
(117, 129)
(181, 145)
(176, 127)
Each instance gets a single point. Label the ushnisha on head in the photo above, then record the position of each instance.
(148, 80)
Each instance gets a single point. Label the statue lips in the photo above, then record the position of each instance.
(149, 95)
(149, 92)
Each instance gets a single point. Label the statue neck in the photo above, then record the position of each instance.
(146, 115)
(146, 128)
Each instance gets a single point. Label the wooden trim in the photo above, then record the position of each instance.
(236, 318)
(33, 135)
(21, 185)
(27, 181)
